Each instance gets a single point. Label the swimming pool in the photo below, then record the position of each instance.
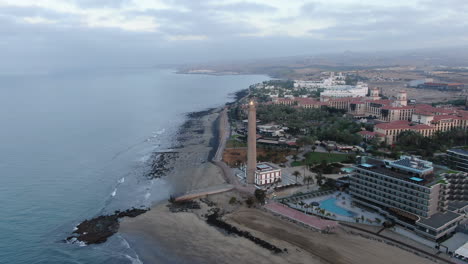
(330, 206)
(347, 170)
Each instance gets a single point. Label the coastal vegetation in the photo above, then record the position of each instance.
(456, 102)
(318, 157)
(414, 143)
(321, 124)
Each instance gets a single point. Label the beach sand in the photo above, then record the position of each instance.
(160, 236)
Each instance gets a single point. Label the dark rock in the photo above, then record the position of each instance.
(214, 220)
(184, 206)
(162, 164)
(98, 229)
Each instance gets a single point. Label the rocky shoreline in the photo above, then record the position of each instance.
(215, 220)
(98, 229)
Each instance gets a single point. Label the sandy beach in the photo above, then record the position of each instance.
(161, 236)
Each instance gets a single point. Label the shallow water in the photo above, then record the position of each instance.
(75, 145)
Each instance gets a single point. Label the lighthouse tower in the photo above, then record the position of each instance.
(252, 143)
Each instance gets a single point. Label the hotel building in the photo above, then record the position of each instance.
(408, 192)
(458, 159)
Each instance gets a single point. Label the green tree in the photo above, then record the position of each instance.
(260, 195)
(295, 157)
(308, 180)
(249, 202)
(319, 177)
(296, 174)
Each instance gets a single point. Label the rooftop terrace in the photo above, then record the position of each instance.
(379, 166)
(265, 166)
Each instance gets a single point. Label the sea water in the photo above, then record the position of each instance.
(74, 145)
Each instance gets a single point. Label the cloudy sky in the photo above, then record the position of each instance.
(63, 33)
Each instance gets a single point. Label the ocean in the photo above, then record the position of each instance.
(74, 145)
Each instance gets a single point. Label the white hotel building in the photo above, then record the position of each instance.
(360, 90)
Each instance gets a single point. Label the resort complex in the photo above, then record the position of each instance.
(409, 196)
(409, 192)
(391, 116)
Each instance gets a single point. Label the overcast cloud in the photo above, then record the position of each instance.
(95, 33)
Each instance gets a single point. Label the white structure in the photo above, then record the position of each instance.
(332, 80)
(360, 90)
(267, 173)
(462, 252)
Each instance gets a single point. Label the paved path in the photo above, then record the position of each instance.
(310, 220)
(224, 133)
(203, 192)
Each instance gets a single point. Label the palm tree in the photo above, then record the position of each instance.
(308, 180)
(301, 203)
(295, 157)
(296, 174)
(313, 148)
(319, 178)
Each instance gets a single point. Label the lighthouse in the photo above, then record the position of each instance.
(252, 143)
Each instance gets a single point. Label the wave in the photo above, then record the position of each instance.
(114, 192)
(159, 132)
(121, 180)
(155, 135)
(135, 259)
(75, 241)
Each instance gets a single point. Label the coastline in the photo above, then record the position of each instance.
(164, 236)
(156, 235)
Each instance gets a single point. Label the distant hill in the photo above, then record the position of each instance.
(299, 66)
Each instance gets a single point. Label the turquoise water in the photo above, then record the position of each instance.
(330, 206)
(347, 170)
(74, 145)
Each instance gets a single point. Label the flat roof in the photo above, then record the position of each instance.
(438, 220)
(459, 151)
(456, 241)
(379, 166)
(266, 166)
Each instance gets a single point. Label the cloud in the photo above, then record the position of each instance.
(39, 20)
(85, 32)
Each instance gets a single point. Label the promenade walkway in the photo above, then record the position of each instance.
(224, 133)
(204, 192)
(309, 220)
